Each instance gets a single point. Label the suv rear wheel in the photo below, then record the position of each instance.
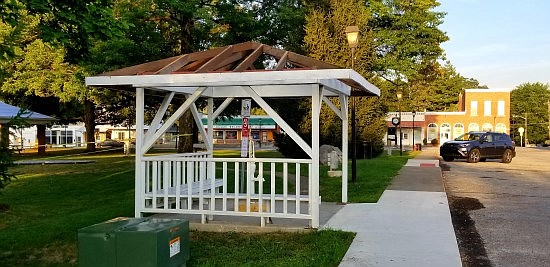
(474, 156)
(507, 156)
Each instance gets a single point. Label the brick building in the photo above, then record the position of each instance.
(479, 110)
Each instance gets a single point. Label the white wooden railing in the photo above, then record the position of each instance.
(196, 183)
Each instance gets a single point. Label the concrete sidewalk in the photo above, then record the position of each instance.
(409, 226)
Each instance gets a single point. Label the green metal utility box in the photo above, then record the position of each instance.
(135, 242)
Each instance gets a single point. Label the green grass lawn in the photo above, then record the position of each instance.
(373, 176)
(47, 204)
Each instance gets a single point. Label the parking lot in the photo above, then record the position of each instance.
(515, 221)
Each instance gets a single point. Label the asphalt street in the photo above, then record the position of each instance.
(515, 223)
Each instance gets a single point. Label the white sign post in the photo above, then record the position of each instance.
(521, 130)
(246, 105)
(245, 113)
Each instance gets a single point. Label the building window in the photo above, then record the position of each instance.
(445, 132)
(51, 137)
(487, 108)
(500, 109)
(473, 127)
(487, 127)
(218, 135)
(405, 136)
(65, 137)
(121, 136)
(473, 107)
(432, 132)
(231, 135)
(458, 130)
(255, 135)
(500, 128)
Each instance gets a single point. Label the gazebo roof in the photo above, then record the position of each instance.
(7, 112)
(226, 69)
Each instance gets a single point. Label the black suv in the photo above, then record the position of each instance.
(479, 146)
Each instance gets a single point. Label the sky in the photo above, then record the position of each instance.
(500, 43)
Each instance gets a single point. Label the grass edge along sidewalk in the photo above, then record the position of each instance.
(47, 204)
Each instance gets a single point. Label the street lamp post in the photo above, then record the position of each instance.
(413, 144)
(352, 34)
(399, 96)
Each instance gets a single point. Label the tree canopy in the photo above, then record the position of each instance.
(47, 47)
(530, 101)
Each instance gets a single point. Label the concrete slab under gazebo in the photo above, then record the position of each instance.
(8, 112)
(198, 183)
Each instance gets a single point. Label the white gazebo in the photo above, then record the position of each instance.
(8, 112)
(198, 183)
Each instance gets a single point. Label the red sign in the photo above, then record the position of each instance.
(245, 127)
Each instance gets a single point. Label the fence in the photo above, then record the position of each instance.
(196, 183)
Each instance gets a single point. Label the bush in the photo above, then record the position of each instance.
(435, 142)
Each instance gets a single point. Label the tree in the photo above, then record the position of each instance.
(407, 46)
(65, 30)
(325, 40)
(438, 90)
(530, 101)
(166, 28)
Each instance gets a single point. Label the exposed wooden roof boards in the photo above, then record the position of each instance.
(231, 66)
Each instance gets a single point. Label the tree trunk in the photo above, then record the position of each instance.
(4, 135)
(41, 138)
(185, 131)
(89, 122)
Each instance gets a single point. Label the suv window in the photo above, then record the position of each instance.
(468, 137)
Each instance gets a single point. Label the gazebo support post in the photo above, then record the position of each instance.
(344, 112)
(316, 109)
(140, 109)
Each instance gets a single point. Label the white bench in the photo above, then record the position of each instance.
(195, 187)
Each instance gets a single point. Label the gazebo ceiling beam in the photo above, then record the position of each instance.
(141, 68)
(280, 121)
(282, 61)
(331, 105)
(223, 65)
(222, 107)
(198, 122)
(192, 66)
(248, 61)
(148, 143)
(297, 59)
(160, 114)
(332, 78)
(211, 64)
(174, 65)
(272, 91)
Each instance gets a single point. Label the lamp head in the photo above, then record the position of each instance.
(399, 94)
(352, 34)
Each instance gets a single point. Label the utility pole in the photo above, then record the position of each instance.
(526, 140)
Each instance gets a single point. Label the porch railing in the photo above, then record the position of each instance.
(196, 183)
